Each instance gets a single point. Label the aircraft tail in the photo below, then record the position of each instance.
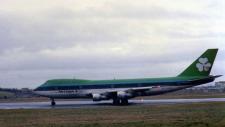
(202, 66)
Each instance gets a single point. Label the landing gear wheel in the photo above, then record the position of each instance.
(124, 101)
(116, 101)
(53, 102)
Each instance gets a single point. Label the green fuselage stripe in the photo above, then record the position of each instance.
(103, 84)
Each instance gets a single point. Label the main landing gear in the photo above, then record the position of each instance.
(53, 102)
(117, 101)
(124, 101)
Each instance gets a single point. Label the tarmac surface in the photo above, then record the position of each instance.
(87, 103)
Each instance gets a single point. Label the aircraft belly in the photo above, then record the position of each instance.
(164, 89)
(87, 93)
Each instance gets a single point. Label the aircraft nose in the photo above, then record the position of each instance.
(37, 91)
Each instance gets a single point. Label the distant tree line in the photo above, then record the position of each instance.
(24, 92)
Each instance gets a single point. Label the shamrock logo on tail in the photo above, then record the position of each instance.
(203, 64)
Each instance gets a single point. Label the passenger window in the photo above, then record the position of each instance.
(112, 86)
(55, 88)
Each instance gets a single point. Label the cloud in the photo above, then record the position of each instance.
(103, 39)
(38, 35)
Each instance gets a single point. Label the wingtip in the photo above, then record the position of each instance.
(217, 76)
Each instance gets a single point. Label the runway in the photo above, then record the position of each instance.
(86, 104)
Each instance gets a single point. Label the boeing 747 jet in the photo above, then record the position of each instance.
(121, 90)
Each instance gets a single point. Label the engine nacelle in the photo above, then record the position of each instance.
(98, 97)
(122, 94)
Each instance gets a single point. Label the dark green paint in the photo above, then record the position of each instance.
(192, 70)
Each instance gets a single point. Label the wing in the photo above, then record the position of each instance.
(120, 93)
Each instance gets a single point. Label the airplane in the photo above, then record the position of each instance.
(120, 90)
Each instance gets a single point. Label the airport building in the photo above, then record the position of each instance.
(218, 87)
(220, 84)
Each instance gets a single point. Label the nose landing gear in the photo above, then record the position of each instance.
(53, 102)
(117, 101)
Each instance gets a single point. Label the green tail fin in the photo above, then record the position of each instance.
(203, 65)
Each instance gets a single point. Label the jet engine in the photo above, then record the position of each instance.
(99, 97)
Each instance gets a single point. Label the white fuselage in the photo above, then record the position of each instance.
(84, 93)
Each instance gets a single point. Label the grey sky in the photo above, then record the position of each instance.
(103, 39)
